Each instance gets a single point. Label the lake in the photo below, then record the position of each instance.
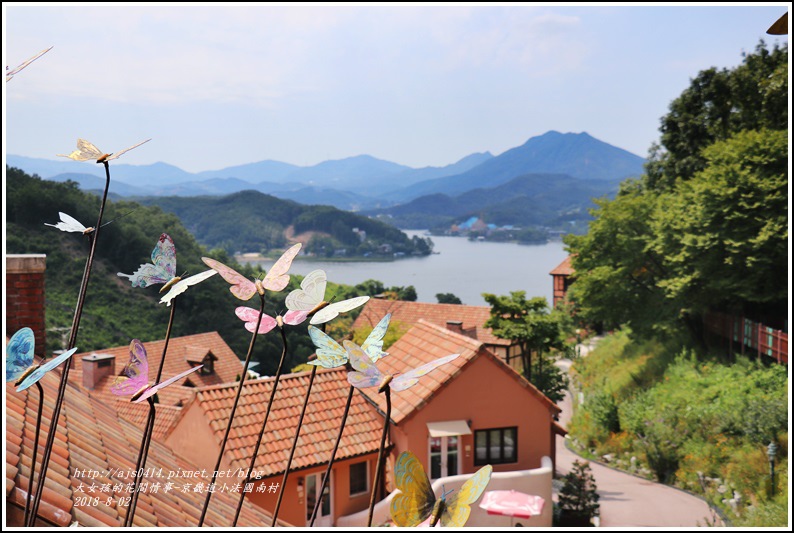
(463, 267)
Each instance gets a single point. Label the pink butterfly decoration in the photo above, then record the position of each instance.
(135, 381)
(151, 391)
(243, 288)
(250, 317)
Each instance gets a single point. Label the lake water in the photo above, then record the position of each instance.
(463, 267)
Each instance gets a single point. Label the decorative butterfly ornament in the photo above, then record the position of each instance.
(311, 299)
(244, 289)
(416, 502)
(87, 151)
(19, 360)
(182, 285)
(251, 316)
(330, 354)
(135, 380)
(10, 73)
(368, 375)
(162, 269)
(69, 223)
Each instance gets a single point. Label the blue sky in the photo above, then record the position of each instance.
(216, 86)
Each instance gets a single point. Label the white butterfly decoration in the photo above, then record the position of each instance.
(87, 151)
(311, 299)
(10, 73)
(181, 286)
(69, 223)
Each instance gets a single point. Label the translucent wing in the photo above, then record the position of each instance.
(10, 73)
(136, 372)
(151, 391)
(39, 373)
(411, 378)
(85, 152)
(251, 316)
(457, 508)
(68, 223)
(373, 345)
(116, 155)
(242, 287)
(366, 373)
(329, 353)
(414, 503)
(162, 269)
(311, 293)
(332, 310)
(293, 318)
(277, 278)
(181, 286)
(19, 353)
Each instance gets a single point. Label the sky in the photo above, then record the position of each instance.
(217, 85)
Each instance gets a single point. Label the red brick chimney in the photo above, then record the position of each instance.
(25, 296)
(455, 325)
(95, 367)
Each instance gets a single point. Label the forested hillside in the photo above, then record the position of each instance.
(251, 221)
(115, 312)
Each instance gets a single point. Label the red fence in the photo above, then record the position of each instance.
(749, 335)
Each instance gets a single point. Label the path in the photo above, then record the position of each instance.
(628, 500)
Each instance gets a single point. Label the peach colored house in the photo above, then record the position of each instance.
(467, 320)
(473, 411)
(198, 434)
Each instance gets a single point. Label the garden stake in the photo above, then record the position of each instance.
(378, 469)
(264, 424)
(35, 451)
(333, 455)
(72, 340)
(234, 408)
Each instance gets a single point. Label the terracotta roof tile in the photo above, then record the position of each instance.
(473, 317)
(93, 437)
(320, 425)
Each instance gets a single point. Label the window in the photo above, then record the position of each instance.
(358, 478)
(495, 446)
(209, 366)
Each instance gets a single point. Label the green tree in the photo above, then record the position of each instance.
(528, 323)
(447, 298)
(578, 498)
(724, 233)
(717, 104)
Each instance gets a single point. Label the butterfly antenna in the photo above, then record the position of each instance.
(118, 217)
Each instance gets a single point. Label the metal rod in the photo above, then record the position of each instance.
(141, 466)
(379, 466)
(148, 431)
(234, 408)
(262, 429)
(294, 445)
(72, 340)
(35, 451)
(327, 475)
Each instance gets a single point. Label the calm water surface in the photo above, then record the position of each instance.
(465, 268)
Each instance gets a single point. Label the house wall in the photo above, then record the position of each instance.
(25, 296)
(499, 401)
(194, 439)
(293, 503)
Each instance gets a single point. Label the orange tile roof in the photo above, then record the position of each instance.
(564, 268)
(320, 424)
(92, 437)
(473, 317)
(423, 343)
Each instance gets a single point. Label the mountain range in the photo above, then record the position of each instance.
(566, 166)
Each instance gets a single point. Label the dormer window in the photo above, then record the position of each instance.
(209, 367)
(201, 356)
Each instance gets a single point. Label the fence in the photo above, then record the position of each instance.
(749, 335)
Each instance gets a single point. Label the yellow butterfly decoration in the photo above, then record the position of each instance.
(87, 151)
(416, 502)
